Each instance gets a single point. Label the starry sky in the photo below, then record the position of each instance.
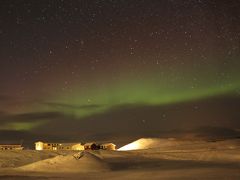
(106, 68)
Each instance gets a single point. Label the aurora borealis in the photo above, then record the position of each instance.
(145, 67)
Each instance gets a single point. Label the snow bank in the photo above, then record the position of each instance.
(84, 162)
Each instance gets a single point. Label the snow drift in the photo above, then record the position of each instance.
(84, 162)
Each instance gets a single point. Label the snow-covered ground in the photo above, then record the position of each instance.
(156, 159)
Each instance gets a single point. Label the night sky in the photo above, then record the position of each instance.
(86, 70)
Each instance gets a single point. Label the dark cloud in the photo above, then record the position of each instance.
(27, 138)
(70, 106)
(215, 118)
(8, 98)
(216, 132)
(145, 120)
(3, 117)
(28, 117)
(36, 116)
(4, 98)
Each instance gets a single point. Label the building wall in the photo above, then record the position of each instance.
(58, 146)
(39, 146)
(78, 147)
(48, 146)
(11, 147)
(108, 146)
(71, 146)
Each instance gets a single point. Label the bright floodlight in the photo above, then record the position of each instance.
(143, 143)
(131, 146)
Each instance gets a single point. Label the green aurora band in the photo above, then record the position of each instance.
(144, 90)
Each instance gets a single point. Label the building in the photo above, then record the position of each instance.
(11, 147)
(73, 146)
(108, 146)
(58, 146)
(91, 146)
(94, 146)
